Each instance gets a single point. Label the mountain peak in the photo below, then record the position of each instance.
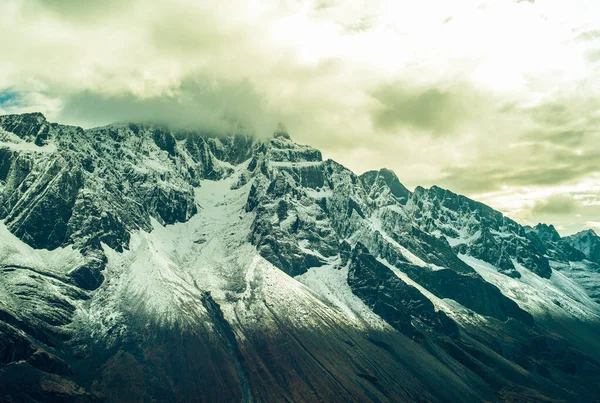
(28, 126)
(588, 242)
(586, 233)
(30, 117)
(387, 176)
(546, 232)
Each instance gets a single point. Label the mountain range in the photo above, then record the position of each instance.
(141, 263)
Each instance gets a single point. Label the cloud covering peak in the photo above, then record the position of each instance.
(495, 99)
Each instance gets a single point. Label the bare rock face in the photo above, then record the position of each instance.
(141, 263)
(382, 182)
(398, 303)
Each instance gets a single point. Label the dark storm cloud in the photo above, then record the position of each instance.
(536, 164)
(555, 204)
(567, 112)
(563, 148)
(567, 138)
(553, 114)
(571, 138)
(438, 111)
(197, 102)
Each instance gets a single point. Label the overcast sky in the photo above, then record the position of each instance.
(498, 100)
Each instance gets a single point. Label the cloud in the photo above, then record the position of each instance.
(439, 91)
(589, 36)
(361, 25)
(9, 98)
(197, 102)
(573, 110)
(80, 11)
(564, 138)
(593, 224)
(592, 56)
(531, 164)
(555, 204)
(434, 110)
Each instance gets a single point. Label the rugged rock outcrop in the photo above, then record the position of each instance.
(477, 230)
(400, 304)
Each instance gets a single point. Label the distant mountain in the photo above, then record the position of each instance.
(588, 243)
(140, 263)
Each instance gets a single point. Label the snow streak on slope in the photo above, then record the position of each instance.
(553, 298)
(15, 143)
(15, 252)
(411, 257)
(583, 273)
(330, 283)
(450, 307)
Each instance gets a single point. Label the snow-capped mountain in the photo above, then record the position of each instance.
(588, 243)
(141, 263)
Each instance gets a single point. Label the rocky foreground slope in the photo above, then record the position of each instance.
(145, 264)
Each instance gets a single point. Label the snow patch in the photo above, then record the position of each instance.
(330, 283)
(557, 297)
(25, 146)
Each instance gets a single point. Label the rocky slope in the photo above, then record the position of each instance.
(145, 264)
(576, 256)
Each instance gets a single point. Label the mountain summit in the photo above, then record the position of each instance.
(145, 264)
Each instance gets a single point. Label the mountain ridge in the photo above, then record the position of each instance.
(282, 273)
(277, 133)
